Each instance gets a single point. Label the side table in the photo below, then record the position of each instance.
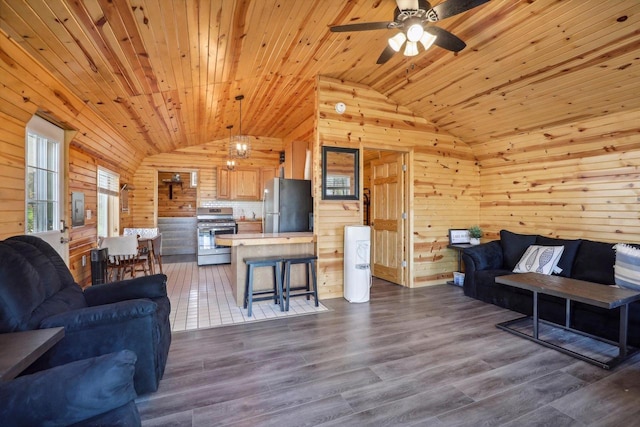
(18, 350)
(458, 247)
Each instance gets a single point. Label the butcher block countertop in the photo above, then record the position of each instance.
(257, 239)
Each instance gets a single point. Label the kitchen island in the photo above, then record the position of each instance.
(259, 245)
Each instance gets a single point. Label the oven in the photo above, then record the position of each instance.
(212, 222)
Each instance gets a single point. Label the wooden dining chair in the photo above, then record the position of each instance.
(156, 246)
(122, 254)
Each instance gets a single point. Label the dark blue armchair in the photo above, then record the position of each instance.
(37, 290)
(92, 392)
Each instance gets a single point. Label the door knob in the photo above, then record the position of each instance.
(64, 240)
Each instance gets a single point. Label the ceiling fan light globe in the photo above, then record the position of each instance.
(415, 32)
(427, 40)
(407, 4)
(397, 41)
(411, 49)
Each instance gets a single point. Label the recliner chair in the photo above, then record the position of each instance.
(37, 291)
(92, 392)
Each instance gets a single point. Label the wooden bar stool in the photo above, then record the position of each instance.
(249, 294)
(310, 266)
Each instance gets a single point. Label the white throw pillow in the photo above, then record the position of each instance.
(627, 267)
(539, 259)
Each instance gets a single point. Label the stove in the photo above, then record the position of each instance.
(210, 223)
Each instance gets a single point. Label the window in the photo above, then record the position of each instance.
(108, 203)
(44, 196)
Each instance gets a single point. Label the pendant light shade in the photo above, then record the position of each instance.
(240, 145)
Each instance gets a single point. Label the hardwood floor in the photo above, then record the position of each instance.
(426, 357)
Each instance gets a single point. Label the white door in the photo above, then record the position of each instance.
(45, 183)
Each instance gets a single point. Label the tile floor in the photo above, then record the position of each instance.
(201, 298)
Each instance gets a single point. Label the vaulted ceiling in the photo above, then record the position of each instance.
(166, 73)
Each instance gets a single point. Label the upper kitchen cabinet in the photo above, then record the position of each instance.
(267, 175)
(245, 184)
(296, 153)
(224, 183)
(239, 184)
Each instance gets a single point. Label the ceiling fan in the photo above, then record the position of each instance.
(413, 18)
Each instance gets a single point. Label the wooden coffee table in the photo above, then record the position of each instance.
(608, 297)
(18, 350)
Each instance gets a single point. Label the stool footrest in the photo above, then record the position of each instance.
(275, 294)
(311, 286)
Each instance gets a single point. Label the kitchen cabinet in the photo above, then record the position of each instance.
(243, 184)
(224, 183)
(295, 158)
(249, 227)
(266, 175)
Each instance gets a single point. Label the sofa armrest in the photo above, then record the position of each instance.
(487, 256)
(70, 393)
(101, 315)
(154, 286)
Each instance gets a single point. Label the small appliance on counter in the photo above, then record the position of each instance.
(287, 205)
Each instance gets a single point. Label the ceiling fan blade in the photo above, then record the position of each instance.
(363, 26)
(407, 4)
(454, 7)
(386, 55)
(445, 39)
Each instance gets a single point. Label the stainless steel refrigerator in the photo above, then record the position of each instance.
(287, 205)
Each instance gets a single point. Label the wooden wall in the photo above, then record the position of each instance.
(443, 174)
(176, 199)
(205, 158)
(26, 88)
(579, 180)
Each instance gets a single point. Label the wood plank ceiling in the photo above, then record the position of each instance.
(166, 72)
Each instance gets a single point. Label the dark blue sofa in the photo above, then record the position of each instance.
(582, 259)
(93, 392)
(37, 291)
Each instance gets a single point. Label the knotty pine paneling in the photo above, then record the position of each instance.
(443, 181)
(83, 178)
(573, 181)
(28, 88)
(176, 200)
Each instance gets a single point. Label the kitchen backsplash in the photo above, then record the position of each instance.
(248, 209)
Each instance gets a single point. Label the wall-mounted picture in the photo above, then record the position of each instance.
(459, 236)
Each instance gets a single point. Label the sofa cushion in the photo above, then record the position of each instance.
(627, 267)
(594, 262)
(569, 254)
(69, 393)
(539, 259)
(513, 246)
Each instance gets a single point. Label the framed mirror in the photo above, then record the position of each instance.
(340, 173)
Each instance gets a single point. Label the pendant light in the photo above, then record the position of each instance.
(240, 148)
(231, 164)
